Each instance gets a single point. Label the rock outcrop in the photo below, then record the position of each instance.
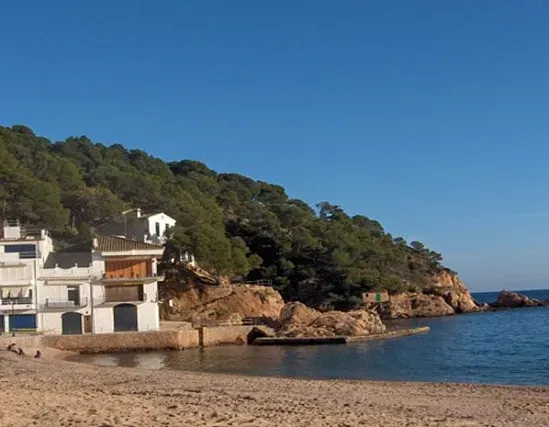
(230, 304)
(448, 285)
(507, 299)
(447, 295)
(298, 320)
(409, 305)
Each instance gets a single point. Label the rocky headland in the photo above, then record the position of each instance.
(200, 298)
(447, 295)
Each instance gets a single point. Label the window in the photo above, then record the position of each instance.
(24, 251)
(157, 225)
(73, 294)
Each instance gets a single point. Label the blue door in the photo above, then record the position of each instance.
(71, 323)
(22, 321)
(125, 317)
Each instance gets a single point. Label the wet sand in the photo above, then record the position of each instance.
(51, 392)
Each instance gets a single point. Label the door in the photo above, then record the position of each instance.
(2, 328)
(22, 321)
(71, 323)
(125, 317)
(87, 324)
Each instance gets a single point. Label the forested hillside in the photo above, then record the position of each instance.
(233, 224)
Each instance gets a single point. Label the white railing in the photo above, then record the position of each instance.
(15, 302)
(54, 304)
(66, 273)
(13, 257)
(259, 283)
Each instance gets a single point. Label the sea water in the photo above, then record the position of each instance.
(503, 347)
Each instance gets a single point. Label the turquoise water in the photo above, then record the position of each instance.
(504, 347)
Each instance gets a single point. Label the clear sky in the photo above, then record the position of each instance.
(429, 116)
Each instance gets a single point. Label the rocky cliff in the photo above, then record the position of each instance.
(446, 296)
(188, 297)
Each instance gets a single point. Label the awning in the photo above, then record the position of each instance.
(15, 291)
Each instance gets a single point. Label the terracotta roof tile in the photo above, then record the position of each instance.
(115, 244)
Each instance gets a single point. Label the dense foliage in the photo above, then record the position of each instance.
(233, 224)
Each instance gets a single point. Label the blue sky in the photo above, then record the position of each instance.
(429, 116)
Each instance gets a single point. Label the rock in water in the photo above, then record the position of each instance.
(507, 299)
(298, 320)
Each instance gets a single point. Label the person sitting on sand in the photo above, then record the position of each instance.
(10, 347)
(38, 355)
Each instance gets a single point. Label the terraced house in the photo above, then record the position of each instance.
(110, 288)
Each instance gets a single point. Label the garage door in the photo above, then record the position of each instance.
(71, 323)
(125, 317)
(22, 321)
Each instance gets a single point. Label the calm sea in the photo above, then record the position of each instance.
(504, 347)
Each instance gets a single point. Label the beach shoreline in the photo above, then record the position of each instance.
(54, 392)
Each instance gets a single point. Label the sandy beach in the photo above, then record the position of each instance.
(52, 392)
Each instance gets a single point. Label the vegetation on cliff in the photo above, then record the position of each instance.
(234, 225)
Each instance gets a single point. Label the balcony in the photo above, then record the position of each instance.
(57, 274)
(20, 303)
(109, 278)
(57, 304)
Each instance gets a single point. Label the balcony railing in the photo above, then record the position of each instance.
(72, 273)
(53, 304)
(114, 278)
(16, 301)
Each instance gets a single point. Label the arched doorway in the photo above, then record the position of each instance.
(71, 323)
(125, 317)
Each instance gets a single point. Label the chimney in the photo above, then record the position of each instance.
(138, 212)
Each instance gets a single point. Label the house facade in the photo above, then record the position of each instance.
(147, 228)
(22, 255)
(111, 288)
(125, 294)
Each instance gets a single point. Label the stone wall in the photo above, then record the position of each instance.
(135, 341)
(118, 342)
(225, 335)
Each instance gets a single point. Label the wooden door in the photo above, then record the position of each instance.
(87, 324)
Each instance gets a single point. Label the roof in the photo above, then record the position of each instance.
(120, 244)
(68, 259)
(154, 214)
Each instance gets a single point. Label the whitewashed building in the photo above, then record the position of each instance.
(125, 295)
(147, 228)
(110, 288)
(22, 255)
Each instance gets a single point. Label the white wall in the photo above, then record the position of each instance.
(103, 320)
(147, 317)
(60, 292)
(150, 292)
(164, 221)
(50, 322)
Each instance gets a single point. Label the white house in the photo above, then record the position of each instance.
(147, 228)
(22, 254)
(110, 288)
(125, 295)
(65, 293)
